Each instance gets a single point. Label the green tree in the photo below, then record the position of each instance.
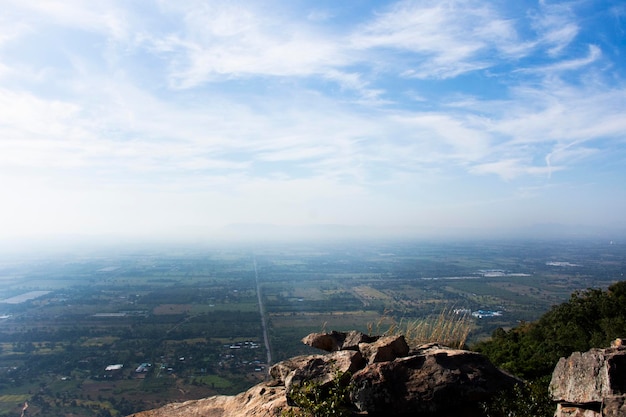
(591, 318)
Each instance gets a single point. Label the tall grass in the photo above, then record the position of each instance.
(448, 328)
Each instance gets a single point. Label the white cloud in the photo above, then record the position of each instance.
(563, 113)
(568, 65)
(557, 126)
(102, 17)
(236, 40)
(510, 169)
(223, 40)
(450, 136)
(449, 38)
(224, 112)
(11, 29)
(556, 26)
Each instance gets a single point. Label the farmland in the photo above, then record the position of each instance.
(186, 323)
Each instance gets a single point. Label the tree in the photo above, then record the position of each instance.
(591, 318)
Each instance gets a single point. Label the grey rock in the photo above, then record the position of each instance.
(614, 406)
(436, 382)
(568, 410)
(385, 349)
(279, 372)
(589, 377)
(353, 339)
(591, 384)
(324, 369)
(330, 342)
(334, 341)
(581, 378)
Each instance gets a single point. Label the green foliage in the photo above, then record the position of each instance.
(591, 318)
(315, 400)
(525, 400)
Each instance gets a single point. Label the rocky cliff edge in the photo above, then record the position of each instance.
(380, 375)
(591, 384)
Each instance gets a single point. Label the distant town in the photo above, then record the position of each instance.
(120, 332)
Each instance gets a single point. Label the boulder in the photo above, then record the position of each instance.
(591, 384)
(381, 378)
(384, 349)
(589, 377)
(581, 378)
(259, 401)
(279, 372)
(354, 338)
(334, 341)
(437, 382)
(324, 369)
(330, 342)
(315, 368)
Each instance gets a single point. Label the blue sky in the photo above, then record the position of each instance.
(173, 119)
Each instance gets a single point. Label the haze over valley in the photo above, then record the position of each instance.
(189, 188)
(112, 331)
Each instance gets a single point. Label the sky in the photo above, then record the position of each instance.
(193, 118)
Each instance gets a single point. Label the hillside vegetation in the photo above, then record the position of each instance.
(591, 318)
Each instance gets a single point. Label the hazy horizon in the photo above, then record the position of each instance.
(254, 237)
(418, 119)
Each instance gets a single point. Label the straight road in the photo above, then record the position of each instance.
(266, 338)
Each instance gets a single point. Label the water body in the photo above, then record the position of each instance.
(31, 295)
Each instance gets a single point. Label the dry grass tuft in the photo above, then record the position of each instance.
(448, 328)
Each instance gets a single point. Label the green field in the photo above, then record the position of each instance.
(192, 318)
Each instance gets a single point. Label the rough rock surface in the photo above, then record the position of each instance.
(563, 410)
(581, 378)
(614, 405)
(384, 349)
(591, 384)
(333, 341)
(323, 369)
(440, 380)
(261, 400)
(383, 376)
(330, 342)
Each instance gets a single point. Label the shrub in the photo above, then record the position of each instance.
(591, 318)
(529, 399)
(315, 400)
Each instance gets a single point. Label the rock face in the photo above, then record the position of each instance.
(322, 370)
(382, 375)
(384, 349)
(333, 341)
(437, 381)
(261, 400)
(591, 384)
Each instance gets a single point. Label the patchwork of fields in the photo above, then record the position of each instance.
(188, 324)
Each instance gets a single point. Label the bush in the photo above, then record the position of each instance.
(591, 318)
(314, 400)
(530, 399)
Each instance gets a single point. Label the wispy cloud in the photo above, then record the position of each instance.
(303, 113)
(92, 17)
(449, 37)
(509, 169)
(593, 55)
(224, 40)
(556, 25)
